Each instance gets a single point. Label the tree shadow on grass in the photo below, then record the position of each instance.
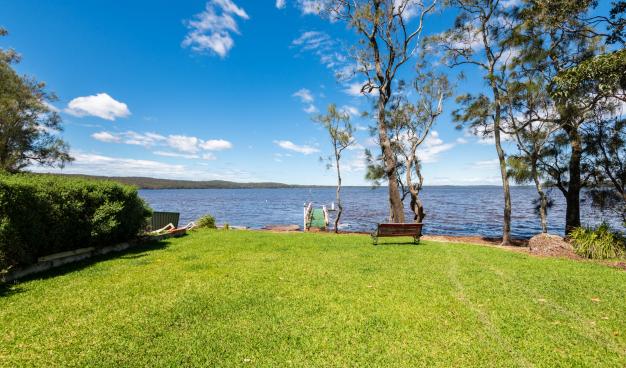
(8, 289)
(408, 243)
(135, 252)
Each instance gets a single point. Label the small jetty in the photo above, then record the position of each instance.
(316, 219)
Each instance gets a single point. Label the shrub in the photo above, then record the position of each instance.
(599, 243)
(46, 214)
(206, 221)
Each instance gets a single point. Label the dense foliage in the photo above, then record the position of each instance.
(29, 126)
(206, 221)
(603, 75)
(598, 243)
(44, 214)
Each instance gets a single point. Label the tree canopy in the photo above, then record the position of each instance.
(29, 126)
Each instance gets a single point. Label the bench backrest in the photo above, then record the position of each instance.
(400, 229)
(161, 219)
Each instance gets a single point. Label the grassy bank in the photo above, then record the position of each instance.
(233, 298)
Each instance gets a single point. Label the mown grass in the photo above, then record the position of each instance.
(239, 298)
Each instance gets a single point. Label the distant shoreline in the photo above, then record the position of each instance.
(148, 183)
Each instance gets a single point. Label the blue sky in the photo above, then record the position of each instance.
(152, 89)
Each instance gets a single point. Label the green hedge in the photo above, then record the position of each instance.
(46, 214)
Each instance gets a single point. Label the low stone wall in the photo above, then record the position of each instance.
(60, 259)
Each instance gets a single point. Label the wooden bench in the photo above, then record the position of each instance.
(388, 230)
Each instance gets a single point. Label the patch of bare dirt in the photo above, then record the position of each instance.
(517, 245)
(620, 265)
(282, 228)
(551, 245)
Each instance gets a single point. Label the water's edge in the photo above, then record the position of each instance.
(450, 210)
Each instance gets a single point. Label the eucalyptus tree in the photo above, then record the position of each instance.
(413, 122)
(525, 166)
(28, 125)
(410, 123)
(528, 114)
(388, 37)
(480, 37)
(602, 80)
(552, 37)
(341, 133)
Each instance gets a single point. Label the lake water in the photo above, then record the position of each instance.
(449, 210)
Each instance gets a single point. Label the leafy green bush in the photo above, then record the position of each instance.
(599, 243)
(206, 221)
(46, 214)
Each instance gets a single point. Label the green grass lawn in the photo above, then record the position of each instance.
(242, 298)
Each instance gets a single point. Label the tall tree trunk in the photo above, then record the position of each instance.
(389, 159)
(417, 207)
(506, 219)
(338, 197)
(543, 200)
(416, 204)
(572, 212)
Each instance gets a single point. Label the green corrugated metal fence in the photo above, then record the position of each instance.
(161, 219)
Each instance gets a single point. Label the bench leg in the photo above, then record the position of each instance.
(416, 240)
(374, 239)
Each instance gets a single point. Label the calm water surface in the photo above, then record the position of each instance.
(449, 210)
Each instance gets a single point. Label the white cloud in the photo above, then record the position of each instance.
(229, 7)
(329, 51)
(304, 95)
(304, 149)
(212, 28)
(175, 154)
(105, 137)
(357, 163)
(356, 146)
(313, 40)
(412, 7)
(355, 89)
(311, 6)
(186, 146)
(429, 151)
(97, 164)
(100, 105)
(486, 137)
(51, 107)
(141, 139)
(486, 164)
(129, 137)
(372, 142)
(461, 140)
(280, 4)
(347, 109)
(207, 156)
(183, 143)
(458, 180)
(216, 145)
(311, 109)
